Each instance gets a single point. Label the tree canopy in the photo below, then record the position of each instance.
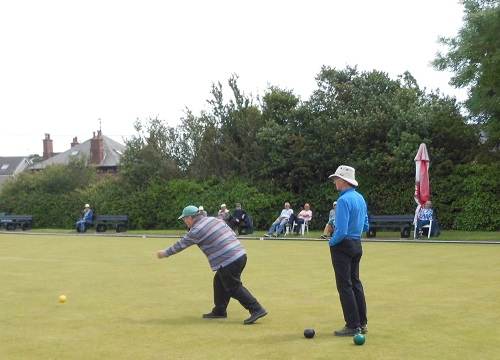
(474, 56)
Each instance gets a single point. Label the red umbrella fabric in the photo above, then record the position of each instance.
(422, 189)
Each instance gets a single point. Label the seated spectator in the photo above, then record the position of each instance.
(224, 213)
(202, 211)
(301, 218)
(239, 219)
(330, 225)
(87, 214)
(424, 217)
(280, 221)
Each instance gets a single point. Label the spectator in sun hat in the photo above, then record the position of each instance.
(202, 211)
(86, 218)
(226, 256)
(351, 219)
(330, 225)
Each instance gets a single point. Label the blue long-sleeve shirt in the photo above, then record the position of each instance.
(87, 215)
(351, 217)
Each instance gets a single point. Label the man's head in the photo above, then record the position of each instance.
(307, 207)
(238, 206)
(287, 205)
(344, 177)
(87, 206)
(189, 214)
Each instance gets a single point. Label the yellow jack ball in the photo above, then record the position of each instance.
(62, 298)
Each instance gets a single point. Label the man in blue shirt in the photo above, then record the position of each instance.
(351, 220)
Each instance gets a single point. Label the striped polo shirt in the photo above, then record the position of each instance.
(217, 241)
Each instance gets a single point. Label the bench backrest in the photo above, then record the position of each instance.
(16, 217)
(391, 218)
(111, 218)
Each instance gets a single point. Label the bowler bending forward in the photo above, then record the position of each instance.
(227, 257)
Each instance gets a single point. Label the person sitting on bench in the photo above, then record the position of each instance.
(87, 215)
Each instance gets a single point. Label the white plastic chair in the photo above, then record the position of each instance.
(428, 227)
(303, 227)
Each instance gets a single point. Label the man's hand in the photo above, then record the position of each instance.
(159, 254)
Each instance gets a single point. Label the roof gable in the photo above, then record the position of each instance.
(113, 152)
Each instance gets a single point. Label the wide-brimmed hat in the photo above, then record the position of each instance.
(200, 208)
(87, 205)
(223, 205)
(190, 210)
(346, 173)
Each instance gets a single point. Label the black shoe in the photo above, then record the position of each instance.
(363, 329)
(345, 331)
(211, 315)
(255, 316)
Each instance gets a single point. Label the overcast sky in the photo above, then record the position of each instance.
(66, 64)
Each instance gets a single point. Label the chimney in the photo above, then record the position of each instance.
(96, 149)
(75, 142)
(48, 148)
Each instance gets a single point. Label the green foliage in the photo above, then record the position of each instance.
(478, 207)
(281, 150)
(50, 195)
(474, 56)
(148, 156)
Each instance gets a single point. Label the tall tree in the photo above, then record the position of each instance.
(474, 56)
(149, 155)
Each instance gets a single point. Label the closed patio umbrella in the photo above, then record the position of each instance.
(422, 189)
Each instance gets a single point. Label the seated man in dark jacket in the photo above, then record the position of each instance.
(239, 219)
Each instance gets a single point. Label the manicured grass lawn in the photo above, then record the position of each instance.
(425, 301)
(451, 235)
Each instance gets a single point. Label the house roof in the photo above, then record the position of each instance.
(113, 152)
(12, 165)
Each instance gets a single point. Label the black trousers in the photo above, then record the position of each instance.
(227, 285)
(346, 256)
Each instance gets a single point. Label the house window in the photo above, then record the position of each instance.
(4, 167)
(75, 153)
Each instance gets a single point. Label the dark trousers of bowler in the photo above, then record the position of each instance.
(346, 256)
(227, 285)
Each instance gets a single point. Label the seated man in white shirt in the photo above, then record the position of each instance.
(224, 213)
(301, 218)
(280, 221)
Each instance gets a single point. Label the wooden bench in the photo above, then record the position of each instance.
(401, 222)
(12, 222)
(104, 222)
